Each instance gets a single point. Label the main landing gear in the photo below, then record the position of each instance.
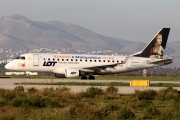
(90, 77)
(28, 76)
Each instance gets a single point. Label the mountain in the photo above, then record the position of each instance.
(19, 33)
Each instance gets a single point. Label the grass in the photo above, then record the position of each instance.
(94, 103)
(78, 83)
(98, 84)
(109, 77)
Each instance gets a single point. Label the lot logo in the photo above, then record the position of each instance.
(49, 63)
(73, 73)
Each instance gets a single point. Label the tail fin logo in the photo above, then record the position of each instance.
(156, 47)
(157, 50)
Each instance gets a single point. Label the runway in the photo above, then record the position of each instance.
(10, 83)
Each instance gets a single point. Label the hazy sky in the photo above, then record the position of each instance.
(135, 20)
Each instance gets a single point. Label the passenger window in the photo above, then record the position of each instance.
(99, 60)
(71, 59)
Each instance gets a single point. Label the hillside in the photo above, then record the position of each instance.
(20, 33)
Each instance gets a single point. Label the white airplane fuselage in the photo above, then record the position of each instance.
(58, 63)
(74, 65)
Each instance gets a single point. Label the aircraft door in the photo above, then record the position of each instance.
(129, 63)
(36, 59)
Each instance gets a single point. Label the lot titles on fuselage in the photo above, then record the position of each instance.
(76, 59)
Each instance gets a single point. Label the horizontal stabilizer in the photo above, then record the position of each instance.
(161, 62)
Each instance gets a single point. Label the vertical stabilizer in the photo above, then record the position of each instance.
(156, 47)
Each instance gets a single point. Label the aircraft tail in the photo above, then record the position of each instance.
(156, 47)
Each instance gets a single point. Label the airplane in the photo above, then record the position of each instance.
(87, 66)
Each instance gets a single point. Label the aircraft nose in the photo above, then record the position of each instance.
(7, 66)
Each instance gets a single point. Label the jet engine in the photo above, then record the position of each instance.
(72, 73)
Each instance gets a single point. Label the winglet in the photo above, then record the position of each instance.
(156, 47)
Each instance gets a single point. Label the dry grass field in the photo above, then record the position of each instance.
(94, 103)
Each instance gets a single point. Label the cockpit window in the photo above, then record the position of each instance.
(20, 57)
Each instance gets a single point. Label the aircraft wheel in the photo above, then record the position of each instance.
(28, 76)
(83, 78)
(91, 78)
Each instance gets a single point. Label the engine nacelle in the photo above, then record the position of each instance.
(60, 75)
(72, 73)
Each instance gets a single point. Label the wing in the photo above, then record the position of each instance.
(102, 67)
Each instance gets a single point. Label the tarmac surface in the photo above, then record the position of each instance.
(11, 83)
